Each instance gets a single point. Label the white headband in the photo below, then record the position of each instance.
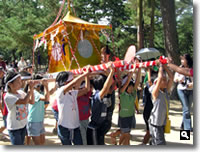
(82, 86)
(26, 77)
(14, 78)
(71, 76)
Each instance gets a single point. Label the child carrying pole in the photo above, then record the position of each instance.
(35, 126)
(101, 84)
(68, 116)
(160, 100)
(127, 106)
(16, 101)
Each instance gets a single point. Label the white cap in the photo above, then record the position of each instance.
(124, 80)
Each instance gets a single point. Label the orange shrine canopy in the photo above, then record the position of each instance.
(71, 43)
(75, 21)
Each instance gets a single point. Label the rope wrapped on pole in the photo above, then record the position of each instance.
(122, 65)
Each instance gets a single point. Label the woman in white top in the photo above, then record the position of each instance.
(21, 64)
(185, 91)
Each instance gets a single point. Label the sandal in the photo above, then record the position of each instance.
(113, 139)
(55, 131)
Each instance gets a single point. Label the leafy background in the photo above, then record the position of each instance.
(21, 19)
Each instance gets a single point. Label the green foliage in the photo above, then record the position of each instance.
(118, 15)
(184, 11)
(21, 19)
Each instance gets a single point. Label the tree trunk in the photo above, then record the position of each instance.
(140, 34)
(170, 32)
(14, 55)
(151, 36)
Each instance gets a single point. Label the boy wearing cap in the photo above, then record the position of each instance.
(160, 99)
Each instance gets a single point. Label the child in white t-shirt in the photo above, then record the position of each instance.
(68, 118)
(16, 101)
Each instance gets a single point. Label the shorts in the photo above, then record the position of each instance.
(67, 136)
(157, 134)
(55, 113)
(35, 128)
(133, 122)
(17, 137)
(125, 124)
(83, 129)
(5, 121)
(46, 102)
(95, 136)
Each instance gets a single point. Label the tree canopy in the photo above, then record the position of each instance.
(21, 19)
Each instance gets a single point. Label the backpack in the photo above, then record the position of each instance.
(99, 111)
(148, 104)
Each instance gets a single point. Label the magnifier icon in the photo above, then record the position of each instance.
(184, 134)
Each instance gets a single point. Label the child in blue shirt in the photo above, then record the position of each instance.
(101, 84)
(35, 126)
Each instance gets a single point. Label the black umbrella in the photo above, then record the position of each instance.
(148, 53)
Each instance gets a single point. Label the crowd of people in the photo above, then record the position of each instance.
(84, 104)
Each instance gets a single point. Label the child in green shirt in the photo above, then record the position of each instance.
(127, 106)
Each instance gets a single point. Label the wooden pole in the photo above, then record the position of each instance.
(68, 5)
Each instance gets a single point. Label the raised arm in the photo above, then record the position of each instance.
(184, 71)
(77, 86)
(70, 85)
(157, 86)
(53, 90)
(112, 88)
(108, 82)
(170, 78)
(127, 82)
(29, 98)
(25, 100)
(32, 97)
(86, 89)
(137, 81)
(47, 94)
